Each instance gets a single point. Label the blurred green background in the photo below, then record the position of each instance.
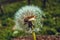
(51, 23)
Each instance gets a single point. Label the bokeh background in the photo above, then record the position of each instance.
(51, 23)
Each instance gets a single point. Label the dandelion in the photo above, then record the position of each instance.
(25, 13)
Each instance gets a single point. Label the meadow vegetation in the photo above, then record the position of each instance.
(51, 23)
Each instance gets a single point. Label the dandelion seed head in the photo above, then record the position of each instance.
(27, 11)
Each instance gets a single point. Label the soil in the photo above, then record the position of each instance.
(39, 37)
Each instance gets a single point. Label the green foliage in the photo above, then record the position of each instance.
(19, 33)
(7, 22)
(51, 23)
